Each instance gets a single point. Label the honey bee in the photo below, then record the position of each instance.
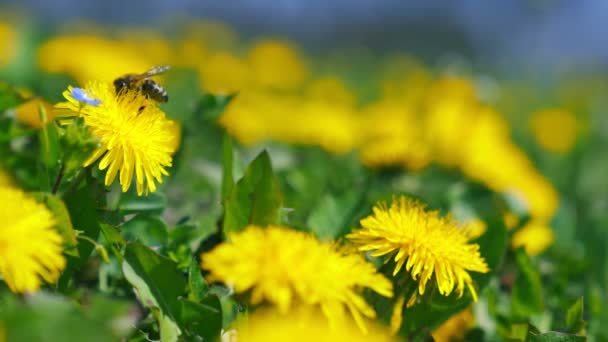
(143, 83)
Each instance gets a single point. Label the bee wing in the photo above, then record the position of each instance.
(156, 70)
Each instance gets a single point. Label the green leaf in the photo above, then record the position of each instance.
(82, 206)
(227, 172)
(332, 213)
(574, 317)
(554, 337)
(153, 203)
(212, 106)
(9, 98)
(158, 284)
(150, 230)
(47, 317)
(113, 239)
(197, 286)
(527, 295)
(203, 319)
(255, 198)
(50, 152)
(62, 219)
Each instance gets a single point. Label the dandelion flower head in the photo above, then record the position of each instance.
(286, 268)
(30, 249)
(303, 325)
(422, 241)
(136, 140)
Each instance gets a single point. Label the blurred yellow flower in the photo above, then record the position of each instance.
(536, 236)
(455, 327)
(176, 132)
(89, 57)
(134, 135)
(450, 111)
(8, 43)
(331, 90)
(405, 79)
(30, 249)
(255, 116)
(276, 64)
(303, 325)
(224, 73)
(390, 135)
(289, 268)
(426, 243)
(214, 35)
(554, 129)
(29, 112)
(149, 43)
(475, 228)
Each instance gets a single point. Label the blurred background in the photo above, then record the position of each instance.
(511, 34)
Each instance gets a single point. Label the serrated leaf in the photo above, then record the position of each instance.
(255, 198)
(527, 295)
(158, 284)
(62, 219)
(203, 319)
(574, 317)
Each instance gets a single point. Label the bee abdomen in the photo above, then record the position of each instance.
(154, 91)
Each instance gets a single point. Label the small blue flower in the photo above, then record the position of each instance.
(82, 96)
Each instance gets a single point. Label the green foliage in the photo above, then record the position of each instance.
(527, 297)
(255, 198)
(134, 262)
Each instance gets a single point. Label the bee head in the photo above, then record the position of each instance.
(120, 84)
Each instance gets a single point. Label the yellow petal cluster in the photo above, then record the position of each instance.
(94, 57)
(288, 268)
(303, 325)
(424, 243)
(30, 249)
(455, 327)
(136, 140)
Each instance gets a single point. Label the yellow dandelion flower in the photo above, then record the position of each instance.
(554, 129)
(8, 43)
(276, 64)
(536, 236)
(95, 57)
(224, 73)
(30, 249)
(455, 327)
(303, 325)
(135, 137)
(426, 243)
(332, 90)
(391, 136)
(285, 267)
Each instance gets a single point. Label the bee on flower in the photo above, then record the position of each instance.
(135, 138)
